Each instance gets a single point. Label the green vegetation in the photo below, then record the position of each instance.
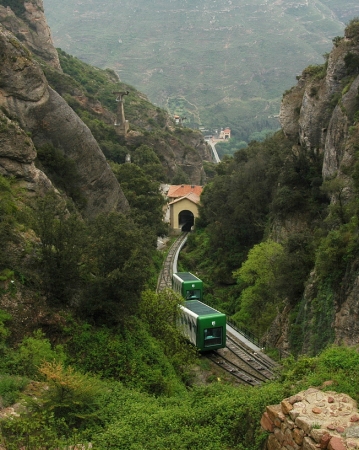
(67, 406)
(263, 183)
(62, 171)
(16, 5)
(316, 72)
(88, 349)
(352, 29)
(257, 278)
(229, 147)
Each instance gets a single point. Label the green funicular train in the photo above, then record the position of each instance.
(202, 325)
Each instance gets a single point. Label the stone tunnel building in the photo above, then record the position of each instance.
(183, 201)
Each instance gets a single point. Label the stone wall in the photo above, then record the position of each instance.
(311, 420)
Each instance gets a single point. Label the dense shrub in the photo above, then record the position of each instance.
(134, 358)
(31, 353)
(10, 388)
(352, 29)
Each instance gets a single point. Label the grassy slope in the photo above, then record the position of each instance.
(220, 63)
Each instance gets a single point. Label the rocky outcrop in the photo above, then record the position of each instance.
(346, 324)
(185, 152)
(307, 108)
(338, 146)
(17, 155)
(42, 113)
(312, 419)
(31, 28)
(321, 116)
(309, 113)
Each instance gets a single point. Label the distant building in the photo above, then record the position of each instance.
(178, 119)
(225, 134)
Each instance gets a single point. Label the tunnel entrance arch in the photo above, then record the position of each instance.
(186, 220)
(183, 212)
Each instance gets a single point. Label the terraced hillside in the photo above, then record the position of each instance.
(218, 62)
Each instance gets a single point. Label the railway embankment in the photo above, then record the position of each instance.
(312, 419)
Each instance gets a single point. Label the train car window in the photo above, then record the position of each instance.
(212, 336)
(193, 294)
(194, 326)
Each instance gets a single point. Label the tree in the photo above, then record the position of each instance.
(63, 238)
(118, 261)
(161, 313)
(144, 197)
(146, 158)
(259, 300)
(7, 220)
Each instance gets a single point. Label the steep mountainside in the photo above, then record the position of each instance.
(47, 119)
(322, 114)
(219, 63)
(61, 172)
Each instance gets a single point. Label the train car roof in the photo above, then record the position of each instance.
(199, 308)
(186, 276)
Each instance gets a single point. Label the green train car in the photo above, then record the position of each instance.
(203, 326)
(188, 285)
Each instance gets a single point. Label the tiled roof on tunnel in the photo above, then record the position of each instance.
(192, 197)
(182, 190)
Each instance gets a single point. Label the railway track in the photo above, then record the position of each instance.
(260, 361)
(246, 366)
(165, 277)
(243, 376)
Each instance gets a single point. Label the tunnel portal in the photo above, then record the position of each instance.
(186, 220)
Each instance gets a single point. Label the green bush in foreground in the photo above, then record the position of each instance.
(216, 417)
(338, 364)
(69, 407)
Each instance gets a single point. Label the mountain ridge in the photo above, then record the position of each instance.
(222, 63)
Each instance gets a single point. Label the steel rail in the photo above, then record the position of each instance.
(165, 277)
(243, 376)
(262, 360)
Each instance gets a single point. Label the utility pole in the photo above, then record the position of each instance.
(121, 124)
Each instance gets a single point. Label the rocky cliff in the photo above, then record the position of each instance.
(28, 23)
(43, 117)
(42, 114)
(320, 114)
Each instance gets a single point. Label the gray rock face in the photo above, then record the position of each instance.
(32, 30)
(17, 155)
(186, 153)
(20, 76)
(290, 110)
(309, 116)
(26, 97)
(320, 115)
(337, 151)
(54, 121)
